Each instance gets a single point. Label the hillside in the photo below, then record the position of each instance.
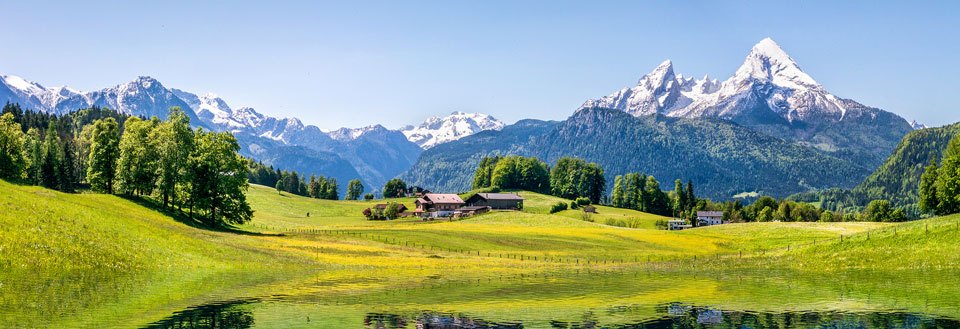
(722, 158)
(898, 178)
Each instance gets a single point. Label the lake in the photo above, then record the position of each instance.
(578, 299)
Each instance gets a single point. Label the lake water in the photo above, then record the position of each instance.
(634, 299)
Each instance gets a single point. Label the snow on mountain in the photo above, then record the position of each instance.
(437, 130)
(916, 125)
(349, 134)
(769, 80)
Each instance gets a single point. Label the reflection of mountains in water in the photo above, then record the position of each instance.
(433, 320)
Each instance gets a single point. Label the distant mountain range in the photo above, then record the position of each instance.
(770, 128)
(373, 153)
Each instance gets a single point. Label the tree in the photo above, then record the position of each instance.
(174, 140)
(826, 216)
(691, 197)
(354, 189)
(877, 211)
(314, 188)
(332, 189)
(51, 159)
(13, 149)
(928, 201)
(765, 215)
(368, 196)
(784, 212)
(948, 180)
(680, 203)
(617, 199)
(35, 152)
(392, 211)
(482, 176)
(218, 179)
(394, 188)
(104, 151)
(139, 160)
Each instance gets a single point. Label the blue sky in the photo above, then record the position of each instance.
(356, 63)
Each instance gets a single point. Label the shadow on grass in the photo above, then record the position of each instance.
(184, 218)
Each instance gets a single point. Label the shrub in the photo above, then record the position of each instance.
(573, 205)
(582, 201)
(368, 196)
(558, 207)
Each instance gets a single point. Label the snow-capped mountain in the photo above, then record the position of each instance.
(436, 130)
(771, 94)
(917, 126)
(144, 96)
(769, 80)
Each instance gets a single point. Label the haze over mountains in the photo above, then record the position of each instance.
(770, 128)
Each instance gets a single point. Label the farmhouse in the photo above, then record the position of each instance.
(438, 205)
(677, 224)
(708, 218)
(496, 201)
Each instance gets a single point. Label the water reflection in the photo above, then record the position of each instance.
(434, 320)
(219, 315)
(678, 316)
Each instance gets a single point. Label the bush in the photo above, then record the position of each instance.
(558, 207)
(368, 196)
(573, 205)
(582, 201)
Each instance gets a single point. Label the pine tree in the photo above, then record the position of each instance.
(52, 158)
(680, 204)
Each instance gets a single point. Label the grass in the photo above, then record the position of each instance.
(98, 249)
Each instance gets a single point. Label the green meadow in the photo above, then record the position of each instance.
(93, 260)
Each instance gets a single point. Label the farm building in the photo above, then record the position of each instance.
(496, 201)
(708, 218)
(438, 205)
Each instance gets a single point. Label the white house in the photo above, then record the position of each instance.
(677, 224)
(708, 218)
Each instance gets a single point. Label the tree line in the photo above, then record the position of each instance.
(113, 153)
(570, 178)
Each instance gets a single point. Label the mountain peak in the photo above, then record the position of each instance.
(437, 130)
(769, 63)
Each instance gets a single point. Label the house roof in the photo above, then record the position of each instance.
(500, 196)
(472, 208)
(709, 214)
(442, 198)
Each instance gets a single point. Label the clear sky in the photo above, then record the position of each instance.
(355, 63)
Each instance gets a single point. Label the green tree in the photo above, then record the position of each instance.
(368, 196)
(680, 197)
(104, 151)
(394, 188)
(392, 211)
(948, 180)
(928, 201)
(826, 216)
(314, 187)
(354, 189)
(619, 192)
(331, 190)
(174, 143)
(218, 179)
(35, 152)
(877, 211)
(139, 160)
(482, 177)
(765, 214)
(783, 212)
(52, 158)
(13, 149)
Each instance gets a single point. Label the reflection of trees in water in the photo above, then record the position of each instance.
(220, 315)
(679, 316)
(434, 320)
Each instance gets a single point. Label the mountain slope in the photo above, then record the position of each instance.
(722, 158)
(771, 94)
